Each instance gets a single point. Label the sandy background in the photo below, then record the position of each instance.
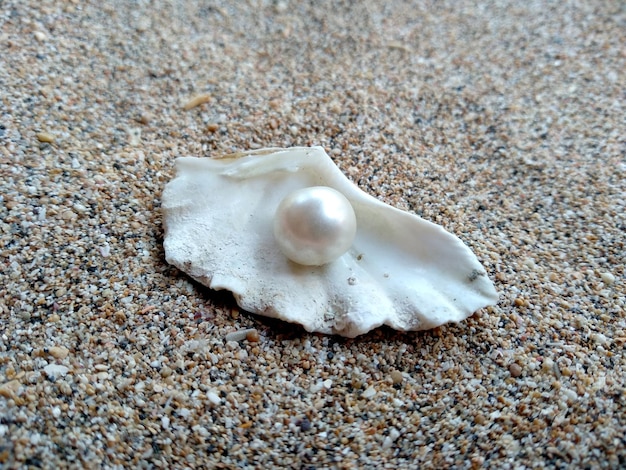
(504, 122)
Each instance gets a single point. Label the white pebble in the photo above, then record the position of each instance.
(369, 393)
(165, 422)
(328, 383)
(134, 136)
(105, 250)
(232, 345)
(213, 397)
(398, 403)
(599, 338)
(55, 370)
(56, 411)
(201, 430)
(80, 208)
(569, 394)
(391, 438)
(607, 278)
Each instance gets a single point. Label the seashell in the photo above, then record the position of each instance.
(222, 229)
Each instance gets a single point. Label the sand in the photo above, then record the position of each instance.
(503, 122)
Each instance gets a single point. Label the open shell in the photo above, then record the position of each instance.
(401, 271)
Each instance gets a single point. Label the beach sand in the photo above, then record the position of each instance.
(504, 122)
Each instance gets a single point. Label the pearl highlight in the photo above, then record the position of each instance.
(314, 226)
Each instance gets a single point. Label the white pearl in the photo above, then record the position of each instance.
(314, 226)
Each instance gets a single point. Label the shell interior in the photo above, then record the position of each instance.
(401, 271)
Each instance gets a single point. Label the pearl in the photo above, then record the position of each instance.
(314, 226)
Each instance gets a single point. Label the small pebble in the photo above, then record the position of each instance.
(396, 376)
(55, 370)
(213, 397)
(369, 392)
(105, 250)
(58, 352)
(253, 336)
(240, 335)
(548, 365)
(607, 278)
(134, 136)
(7, 389)
(391, 438)
(305, 425)
(599, 338)
(45, 137)
(144, 119)
(515, 369)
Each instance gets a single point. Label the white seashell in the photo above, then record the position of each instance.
(401, 270)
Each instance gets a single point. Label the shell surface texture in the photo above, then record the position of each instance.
(292, 238)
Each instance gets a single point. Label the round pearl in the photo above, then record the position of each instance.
(314, 226)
